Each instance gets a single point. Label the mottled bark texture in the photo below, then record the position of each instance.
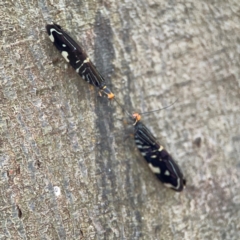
(70, 170)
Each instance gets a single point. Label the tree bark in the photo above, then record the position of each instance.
(70, 170)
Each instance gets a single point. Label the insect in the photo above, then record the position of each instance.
(77, 58)
(159, 160)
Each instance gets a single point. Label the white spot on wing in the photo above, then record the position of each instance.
(160, 149)
(154, 156)
(65, 55)
(85, 61)
(167, 173)
(154, 169)
(51, 38)
(51, 35)
(169, 185)
(64, 45)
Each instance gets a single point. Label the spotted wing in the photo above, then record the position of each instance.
(75, 55)
(159, 160)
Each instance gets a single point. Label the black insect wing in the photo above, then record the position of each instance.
(75, 56)
(69, 49)
(159, 160)
(170, 175)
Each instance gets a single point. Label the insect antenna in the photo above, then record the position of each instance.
(145, 113)
(137, 116)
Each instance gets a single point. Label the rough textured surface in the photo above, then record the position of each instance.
(67, 169)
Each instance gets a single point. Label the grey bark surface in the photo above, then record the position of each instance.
(68, 171)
